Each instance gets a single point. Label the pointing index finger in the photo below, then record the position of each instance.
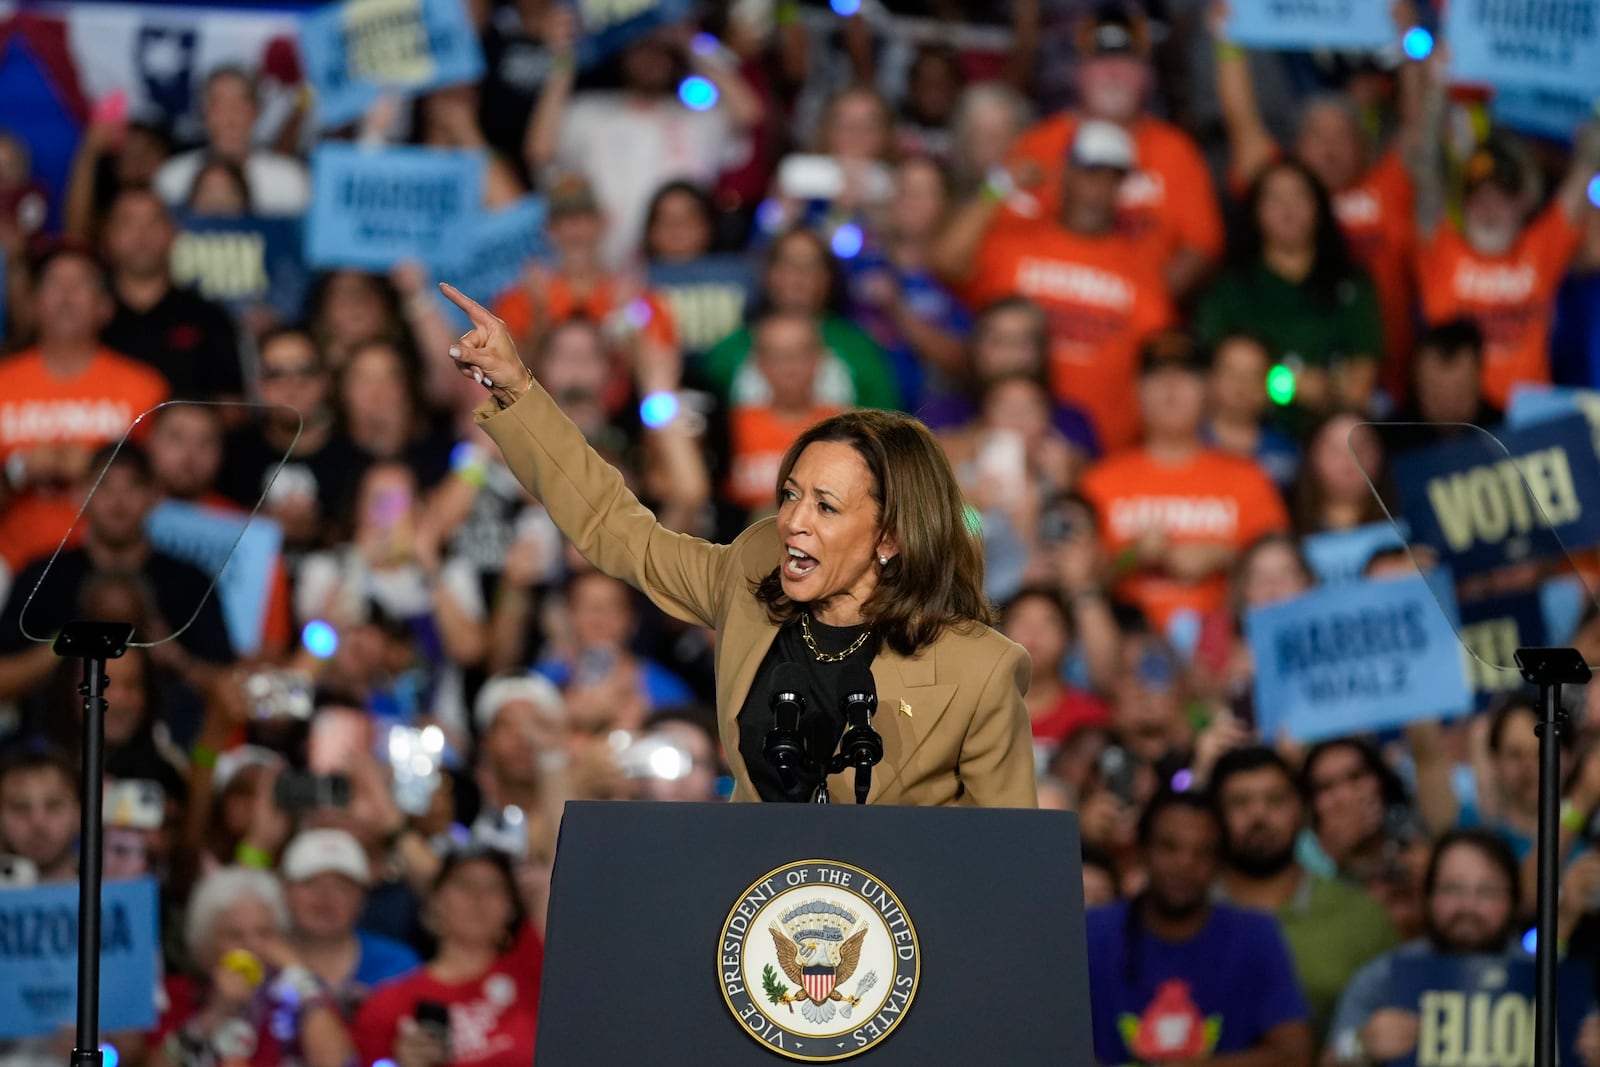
(479, 315)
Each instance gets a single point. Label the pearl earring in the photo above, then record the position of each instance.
(883, 561)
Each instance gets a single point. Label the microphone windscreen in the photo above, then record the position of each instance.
(789, 678)
(857, 678)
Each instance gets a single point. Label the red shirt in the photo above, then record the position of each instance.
(1074, 711)
(492, 1018)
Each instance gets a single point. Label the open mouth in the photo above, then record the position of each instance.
(798, 565)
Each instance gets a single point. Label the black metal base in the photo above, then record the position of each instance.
(1549, 669)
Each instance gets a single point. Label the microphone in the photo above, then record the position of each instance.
(861, 746)
(782, 746)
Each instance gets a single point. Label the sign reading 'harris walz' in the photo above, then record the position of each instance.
(818, 961)
(1482, 507)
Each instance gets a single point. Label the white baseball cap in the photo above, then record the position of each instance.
(239, 758)
(314, 852)
(498, 692)
(1102, 144)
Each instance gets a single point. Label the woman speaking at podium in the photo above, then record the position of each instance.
(868, 559)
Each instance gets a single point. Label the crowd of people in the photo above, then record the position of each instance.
(1079, 259)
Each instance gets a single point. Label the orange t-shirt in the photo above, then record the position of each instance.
(1213, 499)
(561, 303)
(1169, 200)
(758, 439)
(1377, 217)
(1511, 296)
(1101, 297)
(37, 408)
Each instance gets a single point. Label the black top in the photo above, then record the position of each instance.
(186, 337)
(330, 472)
(822, 699)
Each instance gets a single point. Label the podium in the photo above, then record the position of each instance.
(730, 934)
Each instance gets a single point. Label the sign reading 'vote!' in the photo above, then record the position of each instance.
(1478, 1011)
(1481, 506)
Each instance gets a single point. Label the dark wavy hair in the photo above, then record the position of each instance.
(457, 858)
(1493, 848)
(935, 581)
(1331, 265)
(838, 294)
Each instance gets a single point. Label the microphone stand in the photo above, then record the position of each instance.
(1549, 669)
(94, 643)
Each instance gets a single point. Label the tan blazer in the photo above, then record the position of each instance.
(954, 727)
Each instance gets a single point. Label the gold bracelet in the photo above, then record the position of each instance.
(502, 400)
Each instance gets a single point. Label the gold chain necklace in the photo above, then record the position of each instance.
(829, 657)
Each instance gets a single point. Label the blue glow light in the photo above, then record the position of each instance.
(697, 93)
(658, 409)
(703, 44)
(769, 215)
(1594, 190)
(847, 241)
(1530, 940)
(638, 313)
(845, 8)
(320, 639)
(1182, 781)
(110, 1056)
(1418, 43)
(383, 1063)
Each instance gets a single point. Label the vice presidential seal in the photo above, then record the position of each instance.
(818, 961)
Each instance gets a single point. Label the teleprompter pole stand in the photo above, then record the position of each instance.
(94, 643)
(1549, 669)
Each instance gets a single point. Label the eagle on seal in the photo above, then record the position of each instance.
(818, 953)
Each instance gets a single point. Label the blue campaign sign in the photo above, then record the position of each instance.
(203, 537)
(374, 207)
(707, 297)
(1341, 555)
(611, 25)
(1545, 113)
(244, 261)
(1531, 404)
(1480, 1009)
(1483, 502)
(1528, 44)
(356, 50)
(39, 958)
(1494, 628)
(491, 253)
(1301, 25)
(1346, 659)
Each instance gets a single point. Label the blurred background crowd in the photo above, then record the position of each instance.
(1146, 286)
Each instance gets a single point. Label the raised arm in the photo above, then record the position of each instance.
(1424, 152)
(957, 244)
(1250, 146)
(684, 576)
(544, 125)
(1573, 193)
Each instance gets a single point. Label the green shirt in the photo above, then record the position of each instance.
(857, 375)
(1333, 930)
(1290, 318)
